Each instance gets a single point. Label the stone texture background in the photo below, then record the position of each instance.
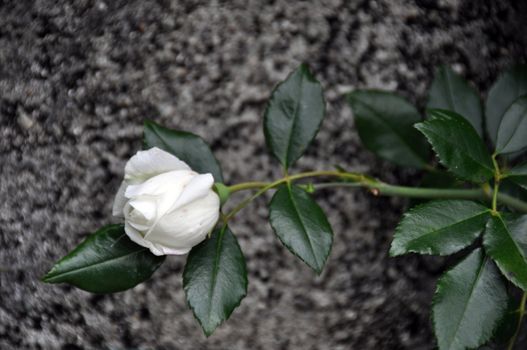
(77, 78)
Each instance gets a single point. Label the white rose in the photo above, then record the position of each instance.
(167, 207)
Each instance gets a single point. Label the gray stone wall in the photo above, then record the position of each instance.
(77, 79)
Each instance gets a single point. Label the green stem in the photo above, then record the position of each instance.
(495, 193)
(264, 187)
(324, 185)
(430, 193)
(378, 188)
(258, 184)
(247, 186)
(512, 202)
(246, 201)
(520, 320)
(497, 178)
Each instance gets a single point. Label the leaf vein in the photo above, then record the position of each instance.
(76, 270)
(473, 287)
(395, 132)
(293, 126)
(466, 153)
(444, 228)
(304, 230)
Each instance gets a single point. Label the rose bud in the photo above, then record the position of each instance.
(167, 207)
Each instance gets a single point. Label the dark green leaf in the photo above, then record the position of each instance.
(186, 146)
(385, 125)
(440, 179)
(439, 227)
(106, 262)
(469, 302)
(301, 225)
(505, 240)
(457, 145)
(215, 279)
(512, 132)
(293, 115)
(513, 189)
(451, 92)
(511, 85)
(522, 182)
(519, 170)
(436, 179)
(518, 175)
(508, 323)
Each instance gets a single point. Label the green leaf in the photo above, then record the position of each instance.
(457, 145)
(440, 179)
(293, 115)
(186, 146)
(469, 303)
(515, 183)
(301, 225)
(436, 179)
(508, 323)
(519, 170)
(513, 189)
(451, 92)
(385, 125)
(518, 175)
(106, 262)
(511, 85)
(440, 227)
(521, 181)
(512, 132)
(215, 279)
(505, 240)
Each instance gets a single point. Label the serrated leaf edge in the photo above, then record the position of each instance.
(486, 260)
(317, 269)
(304, 68)
(419, 127)
(419, 207)
(207, 332)
(520, 251)
(351, 97)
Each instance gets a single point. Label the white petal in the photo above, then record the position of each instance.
(139, 227)
(172, 251)
(165, 189)
(136, 236)
(146, 205)
(187, 226)
(119, 201)
(155, 248)
(161, 184)
(145, 164)
(136, 218)
(197, 188)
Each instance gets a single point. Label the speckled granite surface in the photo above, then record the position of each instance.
(77, 78)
